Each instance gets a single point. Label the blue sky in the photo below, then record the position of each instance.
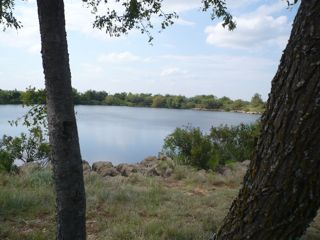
(195, 56)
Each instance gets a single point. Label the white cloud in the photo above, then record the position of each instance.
(90, 69)
(172, 71)
(180, 5)
(219, 74)
(28, 35)
(78, 19)
(119, 57)
(256, 29)
(184, 22)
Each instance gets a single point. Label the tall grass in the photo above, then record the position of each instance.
(189, 205)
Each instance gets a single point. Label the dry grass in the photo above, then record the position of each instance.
(187, 206)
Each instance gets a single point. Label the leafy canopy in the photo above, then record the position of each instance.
(122, 16)
(136, 14)
(7, 19)
(133, 14)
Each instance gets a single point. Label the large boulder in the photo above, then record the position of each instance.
(104, 169)
(96, 166)
(109, 172)
(149, 162)
(163, 169)
(154, 171)
(126, 169)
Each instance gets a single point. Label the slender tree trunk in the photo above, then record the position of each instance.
(281, 191)
(63, 135)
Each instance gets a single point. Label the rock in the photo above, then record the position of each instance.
(126, 169)
(227, 172)
(160, 171)
(167, 173)
(245, 163)
(112, 172)
(104, 169)
(86, 167)
(163, 157)
(100, 165)
(154, 171)
(149, 161)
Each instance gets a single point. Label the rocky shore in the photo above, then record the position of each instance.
(151, 166)
(161, 166)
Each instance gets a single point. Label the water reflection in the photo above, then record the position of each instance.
(124, 134)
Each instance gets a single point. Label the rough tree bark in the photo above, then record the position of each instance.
(63, 135)
(281, 192)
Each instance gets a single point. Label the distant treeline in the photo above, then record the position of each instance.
(91, 97)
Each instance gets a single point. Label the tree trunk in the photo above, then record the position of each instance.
(281, 194)
(63, 135)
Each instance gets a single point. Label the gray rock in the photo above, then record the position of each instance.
(126, 169)
(104, 169)
(86, 167)
(154, 171)
(150, 161)
(163, 157)
(245, 163)
(112, 172)
(167, 173)
(160, 171)
(100, 165)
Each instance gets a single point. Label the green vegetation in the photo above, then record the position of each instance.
(91, 97)
(10, 97)
(6, 161)
(189, 146)
(32, 145)
(134, 207)
(186, 206)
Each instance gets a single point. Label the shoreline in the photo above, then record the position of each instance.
(222, 110)
(195, 109)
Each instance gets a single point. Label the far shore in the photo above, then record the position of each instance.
(196, 109)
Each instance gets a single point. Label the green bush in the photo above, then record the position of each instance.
(234, 143)
(32, 145)
(189, 146)
(6, 161)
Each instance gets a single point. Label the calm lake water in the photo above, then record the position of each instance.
(128, 134)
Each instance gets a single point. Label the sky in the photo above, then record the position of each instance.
(194, 56)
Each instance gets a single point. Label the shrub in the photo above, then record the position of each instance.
(27, 148)
(189, 146)
(6, 161)
(33, 145)
(234, 143)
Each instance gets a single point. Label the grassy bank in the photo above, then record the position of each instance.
(187, 205)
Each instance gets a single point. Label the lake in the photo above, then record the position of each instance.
(128, 134)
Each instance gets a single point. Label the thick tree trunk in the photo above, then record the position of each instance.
(281, 191)
(63, 135)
